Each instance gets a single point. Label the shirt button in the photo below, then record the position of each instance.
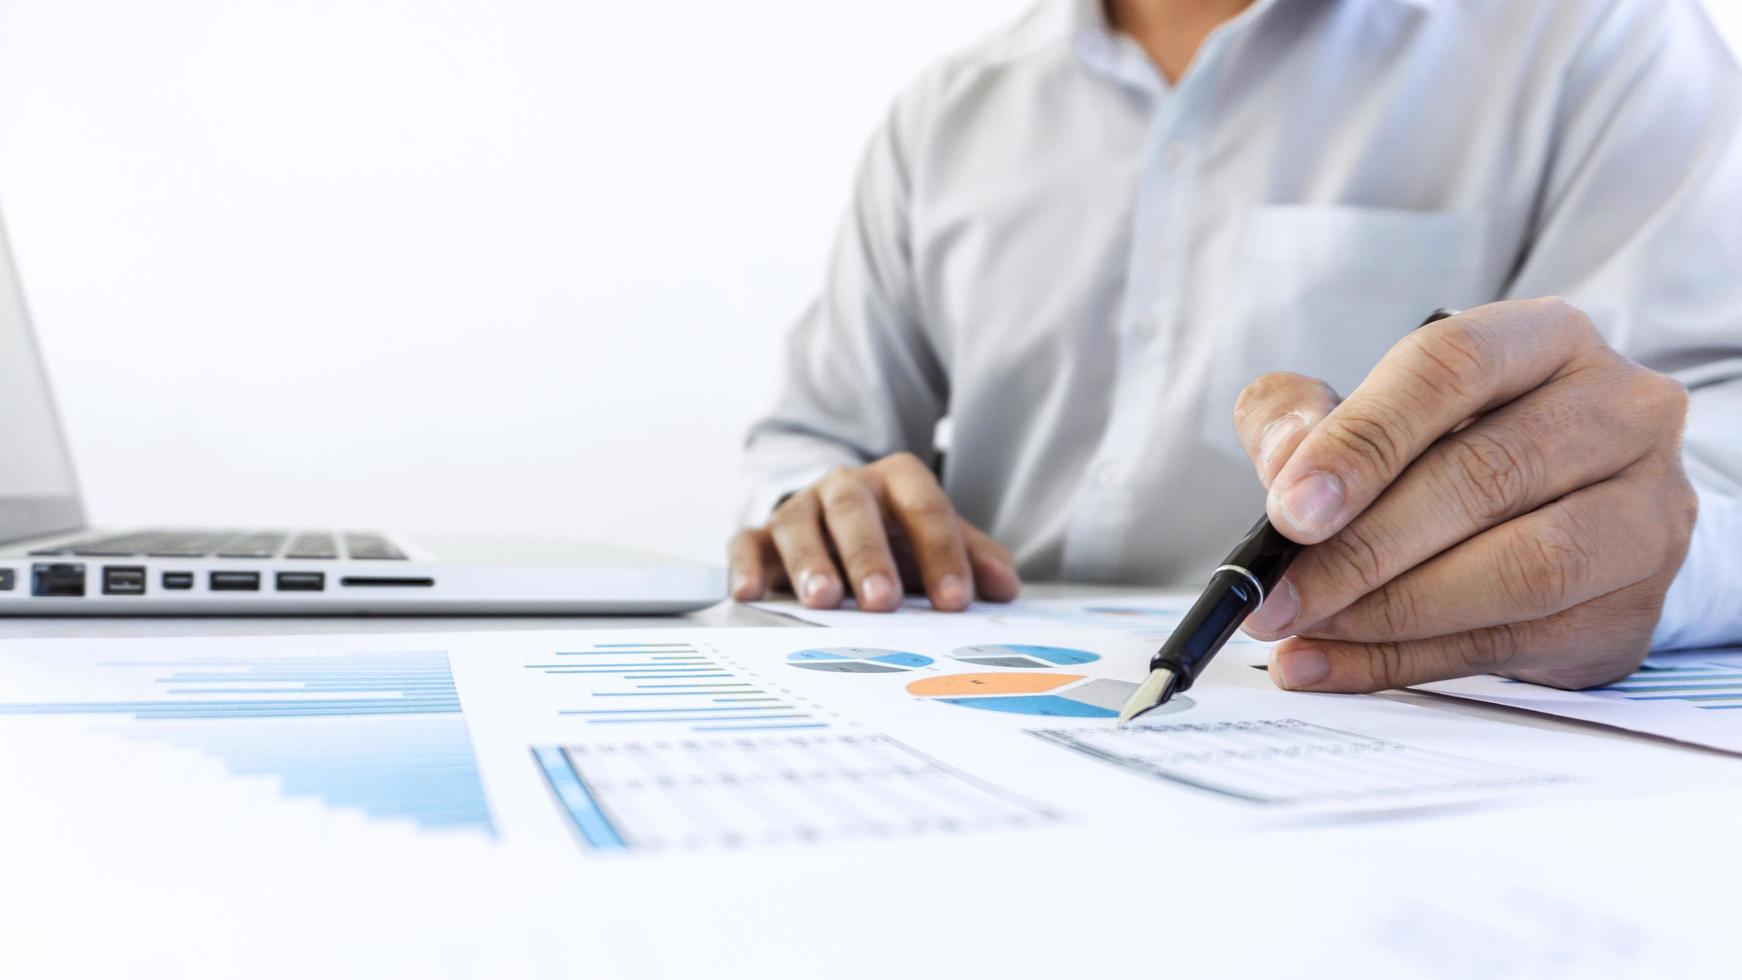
(1107, 476)
(1174, 154)
(1148, 326)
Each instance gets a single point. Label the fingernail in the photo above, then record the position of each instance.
(952, 591)
(1299, 668)
(1275, 434)
(876, 590)
(738, 583)
(1313, 502)
(1278, 612)
(811, 585)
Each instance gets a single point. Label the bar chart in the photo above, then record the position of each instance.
(378, 733)
(730, 792)
(666, 686)
(1293, 763)
(1713, 685)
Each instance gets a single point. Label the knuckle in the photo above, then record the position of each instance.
(1389, 664)
(1674, 506)
(1459, 358)
(1492, 477)
(1368, 437)
(792, 544)
(1272, 395)
(1542, 570)
(1483, 650)
(797, 506)
(840, 490)
(941, 558)
(1250, 395)
(1566, 311)
(1353, 560)
(928, 508)
(1398, 612)
(1260, 392)
(1663, 398)
(901, 463)
(1683, 504)
(866, 554)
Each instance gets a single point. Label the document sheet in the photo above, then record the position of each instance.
(1691, 697)
(578, 794)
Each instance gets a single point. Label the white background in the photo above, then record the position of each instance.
(516, 265)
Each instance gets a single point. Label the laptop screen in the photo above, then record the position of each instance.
(38, 493)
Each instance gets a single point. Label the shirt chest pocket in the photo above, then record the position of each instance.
(1326, 291)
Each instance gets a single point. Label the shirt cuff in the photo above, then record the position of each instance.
(782, 463)
(1704, 605)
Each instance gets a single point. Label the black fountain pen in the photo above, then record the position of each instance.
(1237, 588)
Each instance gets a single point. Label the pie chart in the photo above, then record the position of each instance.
(857, 660)
(1051, 695)
(1023, 655)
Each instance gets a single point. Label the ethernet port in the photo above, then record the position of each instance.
(57, 579)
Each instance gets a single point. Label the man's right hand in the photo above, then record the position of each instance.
(889, 527)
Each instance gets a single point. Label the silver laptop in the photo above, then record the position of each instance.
(51, 563)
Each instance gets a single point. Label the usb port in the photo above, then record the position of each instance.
(180, 581)
(302, 581)
(8, 578)
(123, 580)
(234, 582)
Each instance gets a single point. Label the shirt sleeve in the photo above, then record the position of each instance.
(861, 379)
(1639, 223)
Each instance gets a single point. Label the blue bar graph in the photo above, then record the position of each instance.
(1709, 684)
(664, 686)
(380, 733)
(578, 801)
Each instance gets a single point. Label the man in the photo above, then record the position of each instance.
(1090, 238)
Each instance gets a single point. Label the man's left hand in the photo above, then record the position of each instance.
(1502, 494)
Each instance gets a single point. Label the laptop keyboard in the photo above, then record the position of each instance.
(358, 546)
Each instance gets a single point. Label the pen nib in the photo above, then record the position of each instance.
(1154, 692)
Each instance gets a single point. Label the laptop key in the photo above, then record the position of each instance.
(313, 546)
(112, 546)
(372, 547)
(188, 544)
(265, 544)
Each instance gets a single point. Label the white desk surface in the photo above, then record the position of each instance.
(723, 614)
(538, 905)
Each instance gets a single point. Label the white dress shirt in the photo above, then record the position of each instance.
(1080, 265)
